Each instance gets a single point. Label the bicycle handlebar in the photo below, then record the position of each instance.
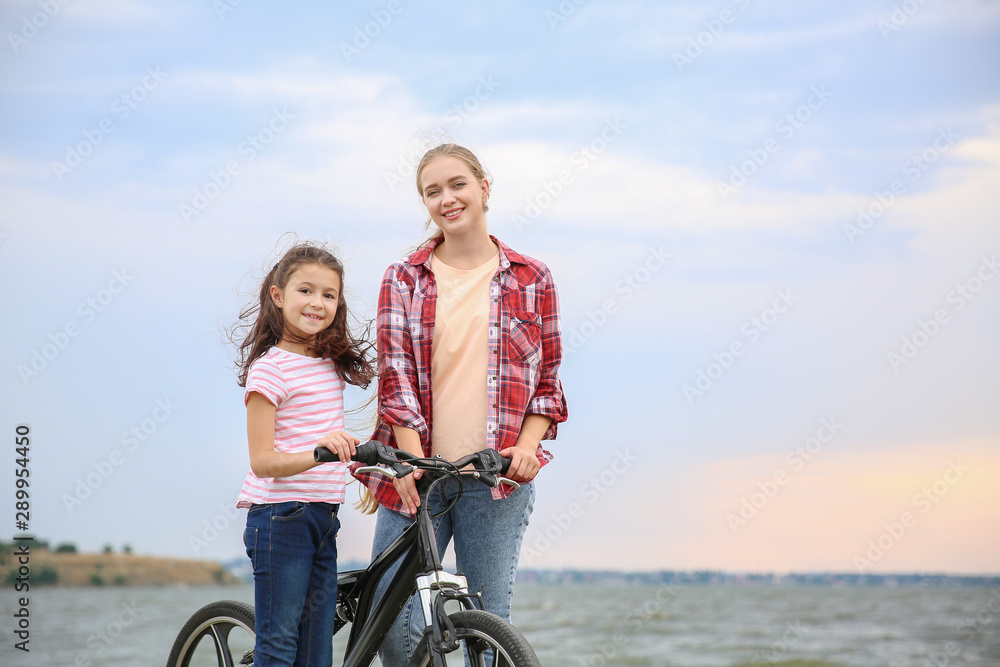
(487, 462)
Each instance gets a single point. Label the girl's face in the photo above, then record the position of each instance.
(308, 302)
(452, 195)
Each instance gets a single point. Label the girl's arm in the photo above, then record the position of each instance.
(265, 461)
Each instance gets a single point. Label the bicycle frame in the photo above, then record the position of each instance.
(416, 551)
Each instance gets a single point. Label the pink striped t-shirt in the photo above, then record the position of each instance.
(308, 396)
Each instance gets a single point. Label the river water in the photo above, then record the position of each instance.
(583, 625)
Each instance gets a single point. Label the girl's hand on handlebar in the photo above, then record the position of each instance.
(524, 463)
(341, 443)
(407, 489)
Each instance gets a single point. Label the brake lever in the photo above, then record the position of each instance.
(493, 481)
(494, 463)
(378, 470)
(394, 471)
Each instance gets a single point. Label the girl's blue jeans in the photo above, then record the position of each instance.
(487, 535)
(293, 548)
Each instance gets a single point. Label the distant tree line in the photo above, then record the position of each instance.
(36, 544)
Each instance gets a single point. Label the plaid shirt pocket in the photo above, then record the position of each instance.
(526, 337)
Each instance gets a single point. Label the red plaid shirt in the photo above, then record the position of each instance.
(525, 349)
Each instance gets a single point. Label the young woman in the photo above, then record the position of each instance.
(294, 364)
(469, 348)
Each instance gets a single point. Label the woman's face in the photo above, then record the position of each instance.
(452, 195)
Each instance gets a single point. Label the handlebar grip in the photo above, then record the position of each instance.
(366, 452)
(324, 455)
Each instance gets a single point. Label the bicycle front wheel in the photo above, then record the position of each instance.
(227, 626)
(486, 641)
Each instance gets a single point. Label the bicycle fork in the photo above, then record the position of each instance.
(443, 638)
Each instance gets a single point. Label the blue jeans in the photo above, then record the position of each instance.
(487, 536)
(293, 548)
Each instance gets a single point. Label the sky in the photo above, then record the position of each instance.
(775, 229)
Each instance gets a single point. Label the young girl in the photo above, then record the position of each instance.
(469, 348)
(294, 363)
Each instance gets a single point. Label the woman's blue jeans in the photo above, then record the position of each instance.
(487, 535)
(293, 548)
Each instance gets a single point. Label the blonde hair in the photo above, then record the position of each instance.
(366, 503)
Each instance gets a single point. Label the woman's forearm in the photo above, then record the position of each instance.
(407, 439)
(533, 429)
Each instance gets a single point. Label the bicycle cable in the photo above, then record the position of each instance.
(451, 472)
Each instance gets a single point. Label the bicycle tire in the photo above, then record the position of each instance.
(479, 631)
(216, 621)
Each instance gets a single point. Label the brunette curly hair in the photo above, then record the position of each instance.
(262, 326)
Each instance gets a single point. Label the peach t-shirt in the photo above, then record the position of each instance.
(459, 357)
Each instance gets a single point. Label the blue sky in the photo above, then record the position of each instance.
(774, 228)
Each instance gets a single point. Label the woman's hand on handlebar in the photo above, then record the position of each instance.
(341, 443)
(406, 487)
(408, 440)
(524, 463)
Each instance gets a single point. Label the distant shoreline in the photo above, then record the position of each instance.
(42, 567)
(51, 568)
(719, 578)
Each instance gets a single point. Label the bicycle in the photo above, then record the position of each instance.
(470, 635)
